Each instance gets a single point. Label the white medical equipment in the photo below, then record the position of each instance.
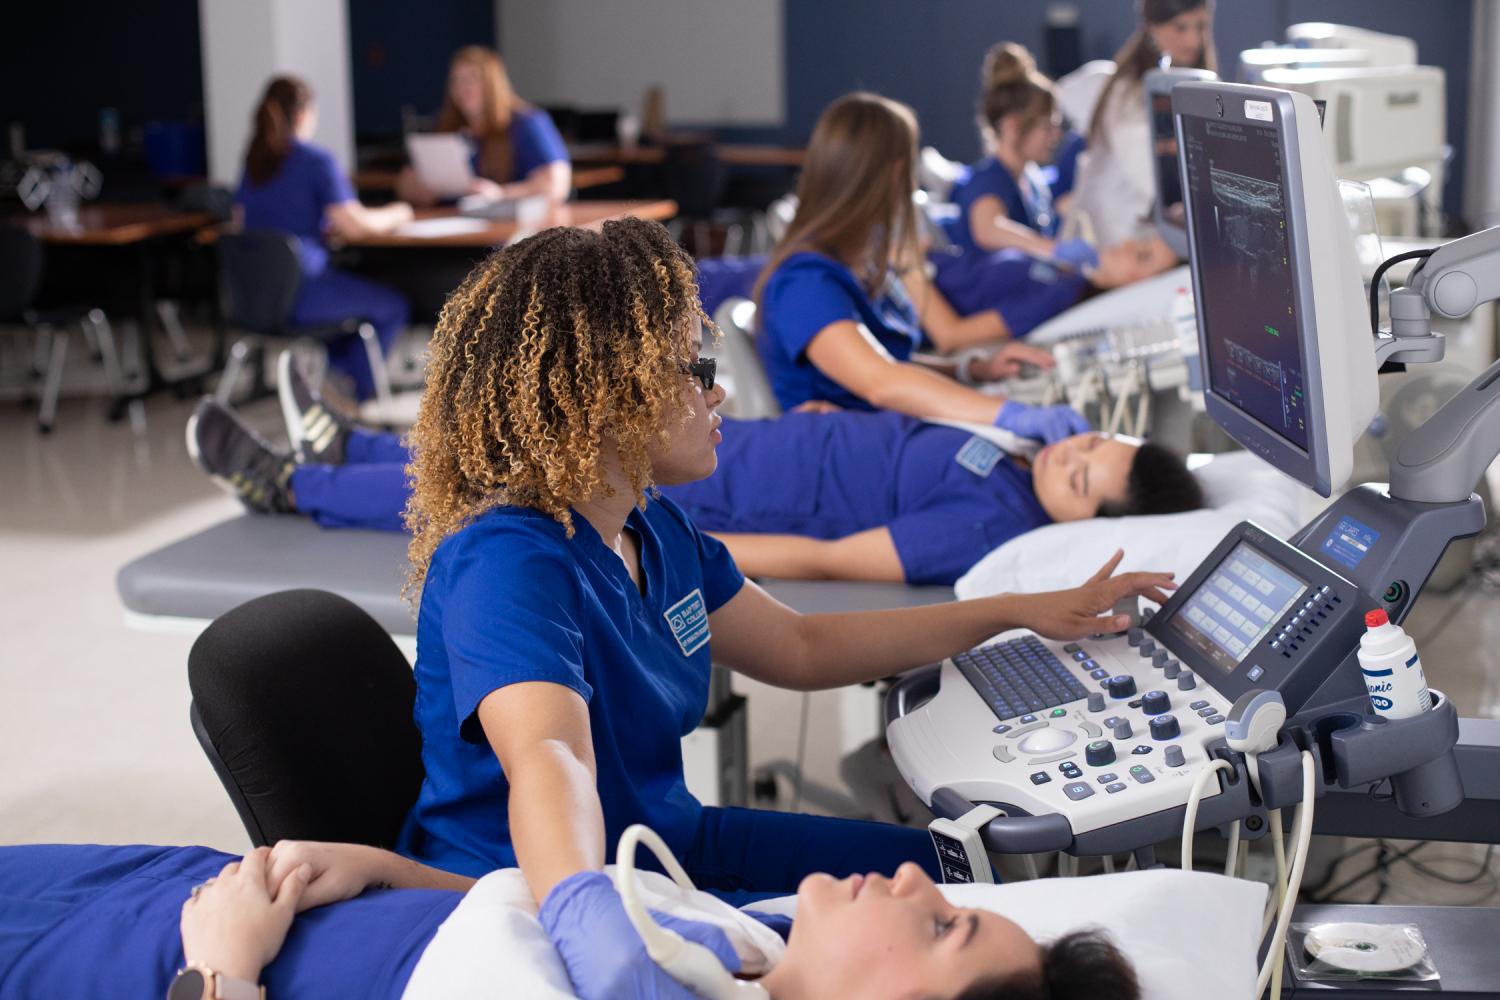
(688, 962)
(1093, 747)
(960, 849)
(442, 162)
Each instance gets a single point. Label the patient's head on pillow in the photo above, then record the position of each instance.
(900, 939)
(1099, 475)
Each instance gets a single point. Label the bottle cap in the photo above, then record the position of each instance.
(1376, 618)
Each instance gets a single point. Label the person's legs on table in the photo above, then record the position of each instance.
(371, 496)
(334, 296)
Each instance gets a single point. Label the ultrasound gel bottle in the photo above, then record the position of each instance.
(1393, 672)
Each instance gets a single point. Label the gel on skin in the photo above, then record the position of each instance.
(1393, 672)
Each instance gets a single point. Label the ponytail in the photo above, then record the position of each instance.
(1010, 84)
(275, 126)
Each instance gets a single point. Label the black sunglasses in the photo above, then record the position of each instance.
(703, 370)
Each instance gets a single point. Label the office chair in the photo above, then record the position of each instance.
(749, 391)
(694, 176)
(259, 276)
(303, 705)
(22, 262)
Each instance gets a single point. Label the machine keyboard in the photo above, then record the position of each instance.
(1019, 677)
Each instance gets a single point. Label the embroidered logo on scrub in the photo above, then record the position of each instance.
(979, 456)
(688, 619)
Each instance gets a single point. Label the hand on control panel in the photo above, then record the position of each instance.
(1080, 612)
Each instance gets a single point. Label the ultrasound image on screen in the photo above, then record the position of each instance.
(1244, 254)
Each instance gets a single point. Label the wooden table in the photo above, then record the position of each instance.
(586, 177)
(588, 214)
(733, 153)
(134, 227)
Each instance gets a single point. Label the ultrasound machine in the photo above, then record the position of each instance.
(1092, 747)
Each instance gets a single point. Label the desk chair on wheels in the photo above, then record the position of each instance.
(694, 176)
(303, 705)
(260, 275)
(22, 261)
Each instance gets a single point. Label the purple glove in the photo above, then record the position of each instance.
(1046, 424)
(605, 956)
(1077, 254)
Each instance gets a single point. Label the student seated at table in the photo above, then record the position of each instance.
(1005, 232)
(293, 186)
(516, 150)
(828, 495)
(322, 921)
(845, 301)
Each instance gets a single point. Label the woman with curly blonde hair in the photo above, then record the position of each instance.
(566, 609)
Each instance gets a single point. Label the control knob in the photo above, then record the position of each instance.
(1099, 753)
(1134, 635)
(1165, 727)
(1148, 646)
(1123, 731)
(1161, 658)
(1187, 681)
(1171, 670)
(1096, 701)
(1155, 702)
(1120, 686)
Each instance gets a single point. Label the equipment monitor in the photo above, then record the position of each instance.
(1167, 211)
(1288, 353)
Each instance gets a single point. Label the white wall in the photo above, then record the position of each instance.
(245, 43)
(1482, 172)
(719, 61)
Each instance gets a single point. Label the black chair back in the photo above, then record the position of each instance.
(21, 258)
(597, 126)
(303, 705)
(213, 199)
(259, 275)
(694, 177)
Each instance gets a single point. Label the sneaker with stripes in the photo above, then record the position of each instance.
(318, 433)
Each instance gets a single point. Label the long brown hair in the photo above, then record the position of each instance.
(854, 198)
(1138, 55)
(1010, 84)
(500, 105)
(552, 349)
(275, 126)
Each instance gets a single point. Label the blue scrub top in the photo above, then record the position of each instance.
(807, 292)
(534, 142)
(296, 199)
(1028, 201)
(948, 497)
(510, 598)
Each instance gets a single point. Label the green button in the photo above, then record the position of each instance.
(1137, 769)
(1058, 713)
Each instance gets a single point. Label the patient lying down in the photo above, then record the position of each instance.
(838, 495)
(97, 921)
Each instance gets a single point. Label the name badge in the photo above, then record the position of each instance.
(688, 620)
(979, 456)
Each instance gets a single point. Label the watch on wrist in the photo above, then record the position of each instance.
(198, 982)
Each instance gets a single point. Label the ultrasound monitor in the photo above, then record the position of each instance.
(1167, 210)
(1288, 353)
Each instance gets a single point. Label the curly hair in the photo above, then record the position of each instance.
(553, 351)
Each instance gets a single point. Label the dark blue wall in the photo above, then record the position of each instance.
(400, 52)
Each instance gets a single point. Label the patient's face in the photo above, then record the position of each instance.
(886, 939)
(1077, 474)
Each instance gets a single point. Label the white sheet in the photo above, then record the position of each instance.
(1237, 487)
(1190, 934)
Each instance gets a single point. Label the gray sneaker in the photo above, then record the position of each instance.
(239, 459)
(318, 432)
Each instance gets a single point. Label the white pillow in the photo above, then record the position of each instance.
(1236, 487)
(1189, 935)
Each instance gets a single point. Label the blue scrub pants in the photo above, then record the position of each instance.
(368, 491)
(1026, 292)
(332, 296)
(84, 921)
(746, 855)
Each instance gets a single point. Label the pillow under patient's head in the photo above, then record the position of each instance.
(1083, 965)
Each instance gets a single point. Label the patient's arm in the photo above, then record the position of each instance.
(867, 555)
(343, 871)
(994, 229)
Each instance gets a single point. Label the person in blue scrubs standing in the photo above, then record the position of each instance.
(568, 614)
(844, 301)
(516, 150)
(295, 187)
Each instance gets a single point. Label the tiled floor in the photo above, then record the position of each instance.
(93, 715)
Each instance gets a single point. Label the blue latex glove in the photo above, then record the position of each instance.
(1040, 423)
(1077, 254)
(606, 958)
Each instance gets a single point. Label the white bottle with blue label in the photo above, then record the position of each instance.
(1393, 671)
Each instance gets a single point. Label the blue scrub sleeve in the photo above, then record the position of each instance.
(535, 142)
(329, 181)
(941, 543)
(800, 304)
(507, 620)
